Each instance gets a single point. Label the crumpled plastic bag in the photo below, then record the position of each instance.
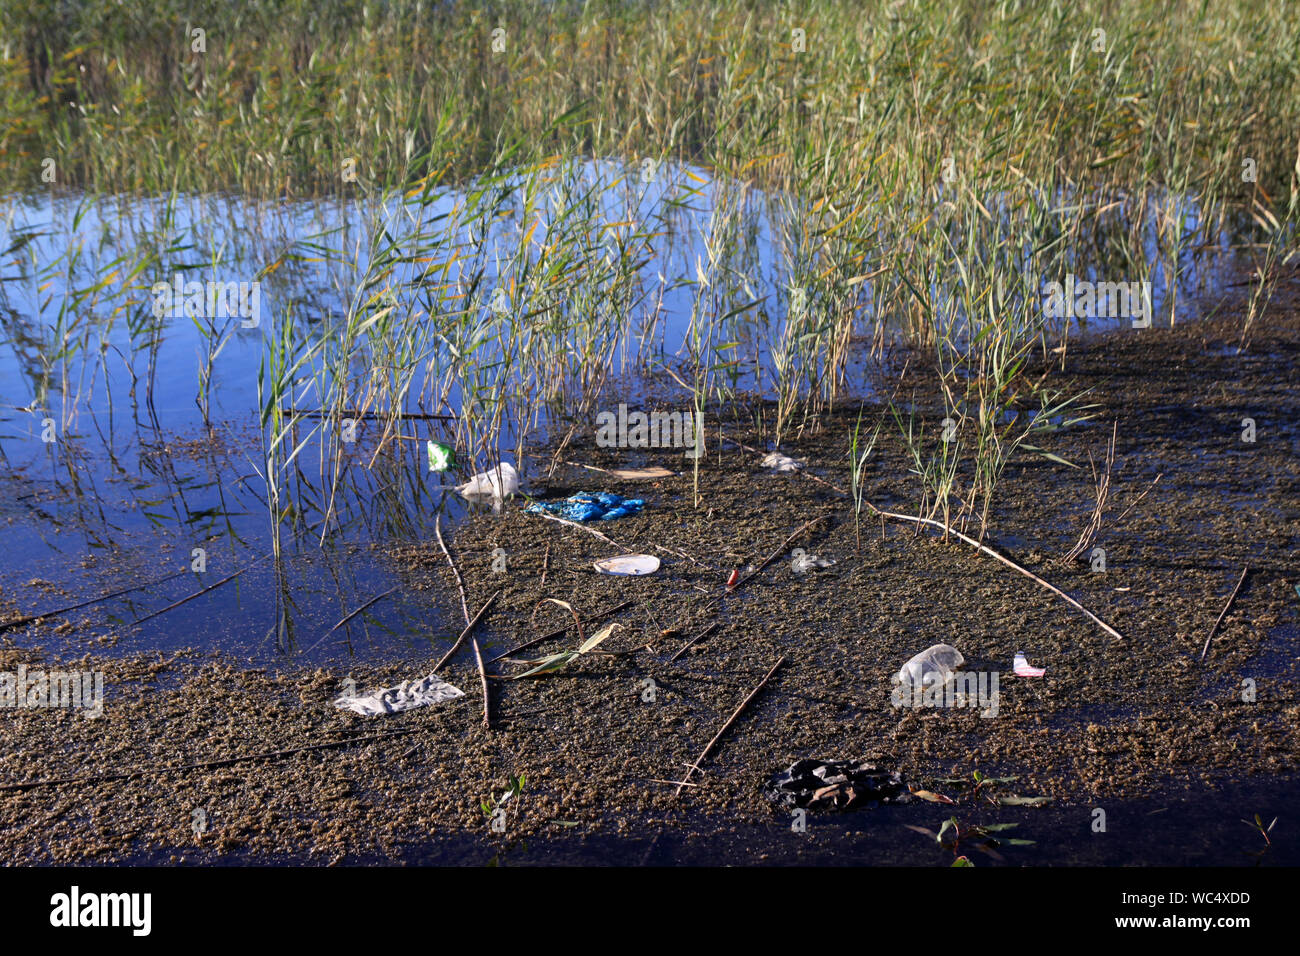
(804, 562)
(490, 484)
(836, 785)
(782, 464)
(942, 660)
(408, 695)
(589, 506)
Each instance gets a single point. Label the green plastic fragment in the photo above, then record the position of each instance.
(441, 457)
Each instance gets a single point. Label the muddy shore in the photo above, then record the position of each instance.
(1113, 722)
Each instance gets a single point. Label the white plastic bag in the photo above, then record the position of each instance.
(941, 659)
(408, 695)
(782, 464)
(493, 483)
(803, 562)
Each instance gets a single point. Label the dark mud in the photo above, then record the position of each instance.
(1176, 751)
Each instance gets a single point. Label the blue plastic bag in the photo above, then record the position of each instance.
(589, 506)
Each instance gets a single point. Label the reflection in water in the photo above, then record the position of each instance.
(258, 440)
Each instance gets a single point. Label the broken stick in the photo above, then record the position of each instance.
(730, 720)
(985, 549)
(437, 529)
(374, 600)
(691, 643)
(482, 676)
(1231, 598)
(463, 634)
(559, 632)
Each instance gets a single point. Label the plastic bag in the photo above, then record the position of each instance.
(589, 506)
(491, 484)
(943, 659)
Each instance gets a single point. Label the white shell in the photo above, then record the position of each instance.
(633, 564)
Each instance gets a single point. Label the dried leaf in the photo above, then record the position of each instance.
(932, 797)
(599, 636)
(548, 664)
(1014, 801)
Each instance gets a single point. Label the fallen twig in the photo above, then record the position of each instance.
(20, 621)
(1007, 561)
(468, 627)
(778, 552)
(1124, 514)
(211, 587)
(583, 527)
(437, 529)
(730, 720)
(1232, 597)
(482, 676)
(691, 643)
(374, 600)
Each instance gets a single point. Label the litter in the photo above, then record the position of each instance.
(1021, 666)
(804, 562)
(648, 473)
(630, 564)
(494, 483)
(406, 696)
(941, 659)
(641, 474)
(441, 457)
(732, 578)
(836, 785)
(781, 464)
(589, 506)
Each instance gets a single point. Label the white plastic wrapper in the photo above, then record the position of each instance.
(493, 483)
(408, 695)
(943, 659)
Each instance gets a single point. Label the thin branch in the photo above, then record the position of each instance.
(482, 676)
(468, 627)
(437, 529)
(1007, 561)
(559, 632)
(20, 621)
(1231, 598)
(691, 643)
(779, 551)
(211, 587)
(374, 600)
(730, 720)
(583, 527)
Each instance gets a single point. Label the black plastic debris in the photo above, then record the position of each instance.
(836, 785)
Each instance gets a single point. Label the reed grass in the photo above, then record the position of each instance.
(915, 168)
